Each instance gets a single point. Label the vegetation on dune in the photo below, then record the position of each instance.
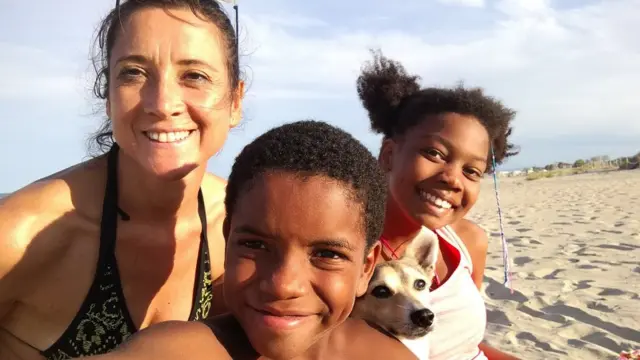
(580, 166)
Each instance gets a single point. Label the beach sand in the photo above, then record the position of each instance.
(574, 242)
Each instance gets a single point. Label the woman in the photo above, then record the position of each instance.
(110, 246)
(437, 145)
(305, 205)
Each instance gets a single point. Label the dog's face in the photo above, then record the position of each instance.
(397, 298)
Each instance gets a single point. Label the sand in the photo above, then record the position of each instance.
(575, 246)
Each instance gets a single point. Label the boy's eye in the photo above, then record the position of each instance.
(434, 153)
(253, 244)
(328, 254)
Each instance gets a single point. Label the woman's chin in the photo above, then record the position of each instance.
(171, 171)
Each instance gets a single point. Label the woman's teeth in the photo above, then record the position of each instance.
(436, 200)
(168, 137)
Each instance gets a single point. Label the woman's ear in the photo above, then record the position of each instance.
(226, 227)
(236, 105)
(385, 158)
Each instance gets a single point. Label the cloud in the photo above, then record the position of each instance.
(567, 71)
(36, 74)
(470, 3)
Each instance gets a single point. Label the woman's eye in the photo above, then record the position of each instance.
(130, 73)
(195, 77)
(253, 244)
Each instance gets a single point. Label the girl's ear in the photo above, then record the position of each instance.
(385, 158)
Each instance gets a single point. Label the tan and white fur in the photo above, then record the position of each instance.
(397, 299)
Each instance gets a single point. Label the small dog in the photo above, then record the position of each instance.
(397, 299)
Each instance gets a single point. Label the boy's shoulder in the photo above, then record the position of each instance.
(231, 336)
(357, 339)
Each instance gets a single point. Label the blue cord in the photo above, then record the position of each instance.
(505, 251)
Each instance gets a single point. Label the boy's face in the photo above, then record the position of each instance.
(295, 261)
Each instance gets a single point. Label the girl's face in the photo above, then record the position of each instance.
(170, 100)
(295, 261)
(435, 169)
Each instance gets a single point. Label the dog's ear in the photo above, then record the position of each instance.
(424, 249)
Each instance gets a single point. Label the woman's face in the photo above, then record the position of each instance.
(170, 100)
(295, 261)
(435, 169)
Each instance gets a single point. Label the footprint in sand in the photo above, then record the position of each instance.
(547, 273)
(613, 231)
(522, 260)
(543, 345)
(621, 247)
(611, 292)
(587, 267)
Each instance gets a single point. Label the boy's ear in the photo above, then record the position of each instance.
(370, 262)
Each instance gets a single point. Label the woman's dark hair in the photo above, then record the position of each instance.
(313, 148)
(108, 31)
(396, 103)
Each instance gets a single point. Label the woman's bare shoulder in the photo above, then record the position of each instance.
(49, 210)
(171, 340)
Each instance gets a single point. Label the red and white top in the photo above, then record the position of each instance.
(461, 316)
(460, 311)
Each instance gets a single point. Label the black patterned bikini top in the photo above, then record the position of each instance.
(103, 321)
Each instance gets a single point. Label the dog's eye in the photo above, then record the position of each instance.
(419, 284)
(381, 292)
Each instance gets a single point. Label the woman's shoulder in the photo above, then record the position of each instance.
(357, 339)
(50, 210)
(171, 340)
(72, 191)
(214, 190)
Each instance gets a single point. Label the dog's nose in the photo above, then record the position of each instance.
(422, 318)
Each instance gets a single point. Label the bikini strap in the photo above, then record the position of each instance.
(109, 221)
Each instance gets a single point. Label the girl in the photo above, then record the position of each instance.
(305, 205)
(437, 144)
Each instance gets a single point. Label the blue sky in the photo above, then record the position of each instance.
(570, 68)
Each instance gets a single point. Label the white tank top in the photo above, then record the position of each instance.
(460, 311)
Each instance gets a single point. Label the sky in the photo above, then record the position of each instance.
(571, 69)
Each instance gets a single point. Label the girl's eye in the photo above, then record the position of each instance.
(474, 173)
(253, 244)
(328, 254)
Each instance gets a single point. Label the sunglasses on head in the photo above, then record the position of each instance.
(235, 9)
